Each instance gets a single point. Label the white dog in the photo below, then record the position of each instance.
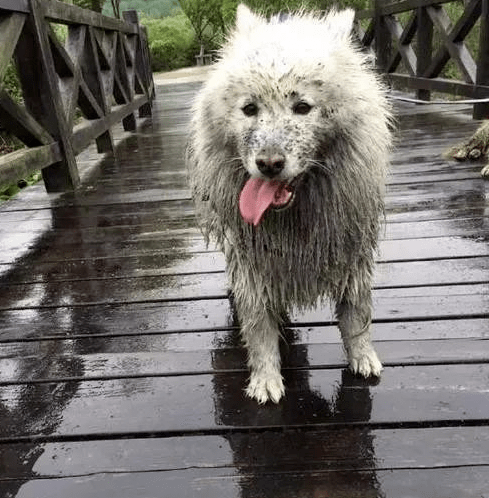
(287, 157)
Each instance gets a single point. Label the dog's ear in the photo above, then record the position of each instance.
(245, 19)
(340, 24)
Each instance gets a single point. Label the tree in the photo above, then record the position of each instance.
(274, 6)
(116, 7)
(206, 19)
(266, 8)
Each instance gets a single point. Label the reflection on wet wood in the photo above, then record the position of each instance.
(213, 403)
(168, 362)
(121, 369)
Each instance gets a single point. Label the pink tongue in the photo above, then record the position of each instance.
(258, 195)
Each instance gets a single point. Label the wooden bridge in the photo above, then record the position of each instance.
(121, 370)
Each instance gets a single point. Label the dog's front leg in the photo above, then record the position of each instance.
(261, 333)
(354, 317)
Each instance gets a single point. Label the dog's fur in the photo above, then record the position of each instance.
(323, 244)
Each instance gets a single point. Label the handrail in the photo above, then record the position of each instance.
(71, 14)
(73, 92)
(425, 41)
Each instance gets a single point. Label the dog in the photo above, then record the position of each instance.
(287, 156)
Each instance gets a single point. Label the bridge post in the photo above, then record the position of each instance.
(142, 60)
(481, 111)
(383, 39)
(424, 48)
(42, 97)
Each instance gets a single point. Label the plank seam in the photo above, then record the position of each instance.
(246, 429)
(244, 370)
(254, 469)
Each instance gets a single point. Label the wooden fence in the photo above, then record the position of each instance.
(414, 40)
(75, 86)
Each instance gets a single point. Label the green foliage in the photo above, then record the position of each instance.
(341, 4)
(206, 19)
(228, 11)
(95, 5)
(171, 42)
(11, 83)
(148, 8)
(269, 8)
(211, 18)
(274, 6)
(60, 31)
(12, 190)
(8, 142)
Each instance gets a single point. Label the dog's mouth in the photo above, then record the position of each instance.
(259, 195)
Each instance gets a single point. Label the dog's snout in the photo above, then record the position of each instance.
(270, 162)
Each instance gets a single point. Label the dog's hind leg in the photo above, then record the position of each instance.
(261, 333)
(354, 318)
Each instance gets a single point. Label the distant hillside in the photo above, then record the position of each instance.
(153, 8)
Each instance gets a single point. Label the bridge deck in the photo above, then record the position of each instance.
(121, 373)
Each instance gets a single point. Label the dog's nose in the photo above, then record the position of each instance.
(270, 163)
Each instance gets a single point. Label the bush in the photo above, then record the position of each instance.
(171, 42)
(150, 8)
(11, 83)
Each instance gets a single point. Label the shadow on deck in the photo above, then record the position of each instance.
(121, 373)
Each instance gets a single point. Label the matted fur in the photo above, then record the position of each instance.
(323, 245)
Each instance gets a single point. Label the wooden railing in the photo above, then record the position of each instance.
(420, 37)
(75, 87)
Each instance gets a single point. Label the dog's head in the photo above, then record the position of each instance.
(281, 96)
(289, 96)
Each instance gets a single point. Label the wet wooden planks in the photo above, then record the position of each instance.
(121, 369)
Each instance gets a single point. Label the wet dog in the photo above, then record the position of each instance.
(287, 157)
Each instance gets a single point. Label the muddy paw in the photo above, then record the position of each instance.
(265, 388)
(366, 363)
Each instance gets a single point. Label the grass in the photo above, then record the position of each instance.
(9, 143)
(12, 190)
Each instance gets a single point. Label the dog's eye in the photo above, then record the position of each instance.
(302, 108)
(250, 109)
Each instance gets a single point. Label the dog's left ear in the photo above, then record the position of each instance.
(245, 19)
(340, 23)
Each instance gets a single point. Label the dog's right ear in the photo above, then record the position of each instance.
(245, 19)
